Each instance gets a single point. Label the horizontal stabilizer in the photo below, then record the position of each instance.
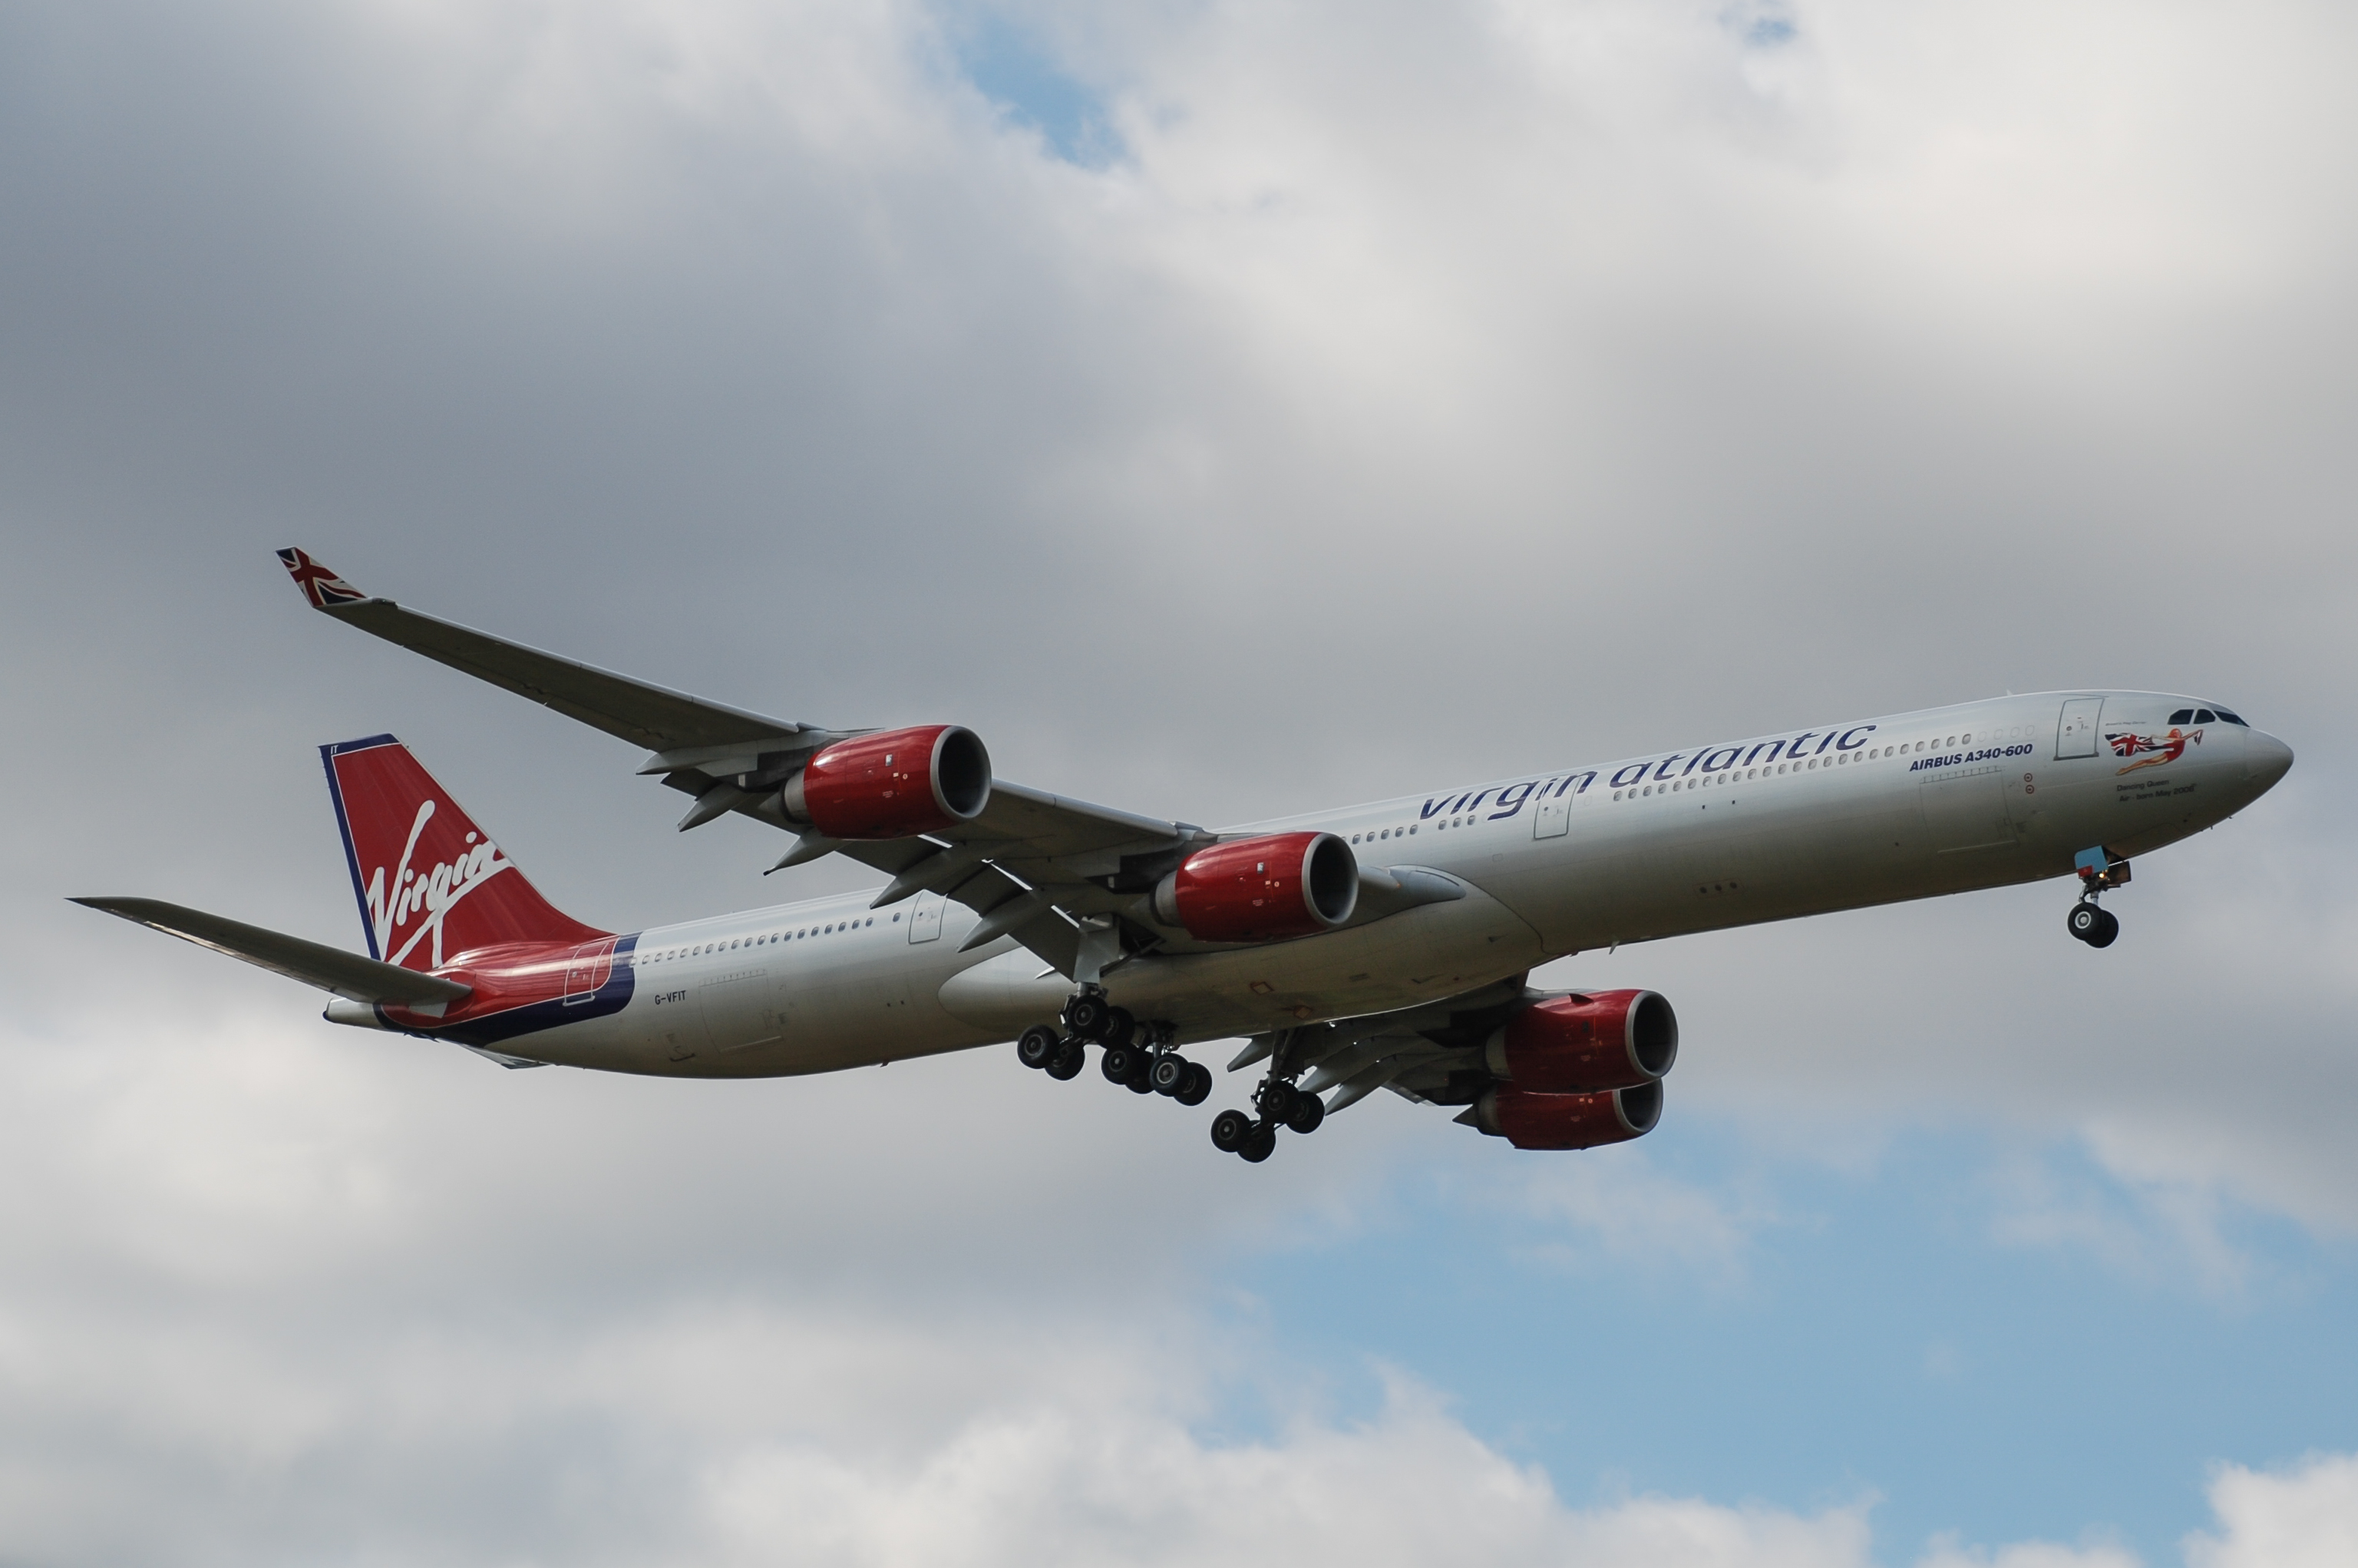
(332, 969)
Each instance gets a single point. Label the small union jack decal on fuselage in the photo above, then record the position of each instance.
(2163, 749)
(319, 585)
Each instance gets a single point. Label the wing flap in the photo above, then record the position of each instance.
(347, 975)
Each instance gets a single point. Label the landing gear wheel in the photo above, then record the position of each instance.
(1087, 1015)
(1069, 1061)
(1038, 1046)
(1170, 1074)
(1122, 1062)
(2090, 924)
(1260, 1144)
(1309, 1110)
(1120, 1028)
(1140, 1080)
(1229, 1130)
(1278, 1099)
(1198, 1087)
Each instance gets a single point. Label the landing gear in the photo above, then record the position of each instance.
(1038, 1046)
(1229, 1130)
(2099, 869)
(2095, 926)
(1189, 1082)
(1087, 1013)
(1234, 1132)
(1122, 1062)
(1138, 1057)
(1280, 1104)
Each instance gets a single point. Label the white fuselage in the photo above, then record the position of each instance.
(1733, 834)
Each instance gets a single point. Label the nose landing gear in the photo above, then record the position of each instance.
(2095, 926)
(2099, 869)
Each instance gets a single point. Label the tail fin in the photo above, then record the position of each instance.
(431, 884)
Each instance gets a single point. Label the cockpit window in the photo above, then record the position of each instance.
(2183, 716)
(2206, 716)
(2227, 718)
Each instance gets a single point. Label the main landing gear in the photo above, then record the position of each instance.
(1137, 1056)
(1280, 1105)
(2089, 922)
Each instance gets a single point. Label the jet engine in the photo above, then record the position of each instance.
(1596, 1039)
(1261, 890)
(893, 783)
(1529, 1120)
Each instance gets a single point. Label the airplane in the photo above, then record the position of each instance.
(1379, 946)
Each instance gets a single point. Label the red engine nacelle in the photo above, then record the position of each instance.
(1260, 890)
(1600, 1040)
(1529, 1120)
(893, 783)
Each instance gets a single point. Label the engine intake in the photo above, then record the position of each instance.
(1585, 1041)
(1261, 890)
(893, 784)
(1529, 1120)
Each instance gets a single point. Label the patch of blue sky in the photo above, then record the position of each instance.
(1761, 25)
(1881, 1334)
(1013, 67)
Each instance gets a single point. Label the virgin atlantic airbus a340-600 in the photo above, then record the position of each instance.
(1379, 947)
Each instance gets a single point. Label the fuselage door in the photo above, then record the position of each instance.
(1554, 818)
(2076, 735)
(926, 917)
(592, 962)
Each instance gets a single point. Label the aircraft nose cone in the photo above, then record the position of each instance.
(2266, 760)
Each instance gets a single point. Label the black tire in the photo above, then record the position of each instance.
(2108, 928)
(1309, 1110)
(2084, 921)
(1119, 1063)
(1069, 1061)
(1170, 1074)
(1038, 1046)
(1229, 1130)
(1085, 1015)
(1199, 1085)
(1278, 1100)
(1261, 1145)
(1120, 1028)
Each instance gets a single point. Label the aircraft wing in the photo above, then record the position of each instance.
(1031, 863)
(347, 975)
(648, 715)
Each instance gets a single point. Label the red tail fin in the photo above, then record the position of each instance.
(432, 885)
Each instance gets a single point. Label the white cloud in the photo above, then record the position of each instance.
(2304, 1516)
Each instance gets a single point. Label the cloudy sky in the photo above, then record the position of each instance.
(1227, 410)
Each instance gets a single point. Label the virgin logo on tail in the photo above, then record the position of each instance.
(436, 891)
(432, 886)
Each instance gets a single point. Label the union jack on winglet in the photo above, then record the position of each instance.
(321, 586)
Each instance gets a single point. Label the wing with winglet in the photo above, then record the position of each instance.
(1033, 864)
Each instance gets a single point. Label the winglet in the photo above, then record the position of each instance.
(319, 585)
